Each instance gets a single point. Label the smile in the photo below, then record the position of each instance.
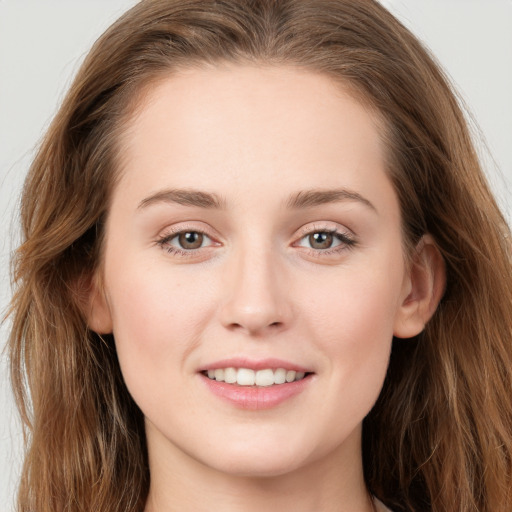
(256, 385)
(248, 377)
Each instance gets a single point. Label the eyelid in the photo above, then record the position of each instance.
(324, 227)
(169, 233)
(176, 236)
(345, 236)
(183, 227)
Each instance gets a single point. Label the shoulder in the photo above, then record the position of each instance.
(380, 507)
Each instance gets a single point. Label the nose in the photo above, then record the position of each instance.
(256, 299)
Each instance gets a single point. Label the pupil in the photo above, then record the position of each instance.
(191, 240)
(320, 240)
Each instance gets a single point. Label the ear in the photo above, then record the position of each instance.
(423, 289)
(95, 305)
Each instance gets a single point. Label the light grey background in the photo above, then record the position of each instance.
(42, 43)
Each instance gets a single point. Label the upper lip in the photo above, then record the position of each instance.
(254, 364)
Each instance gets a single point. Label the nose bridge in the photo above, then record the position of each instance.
(255, 297)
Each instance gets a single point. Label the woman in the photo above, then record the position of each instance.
(262, 269)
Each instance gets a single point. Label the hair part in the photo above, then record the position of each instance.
(439, 437)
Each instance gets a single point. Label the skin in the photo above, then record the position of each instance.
(257, 287)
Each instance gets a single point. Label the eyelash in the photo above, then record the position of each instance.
(164, 242)
(347, 242)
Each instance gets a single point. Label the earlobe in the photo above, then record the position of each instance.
(97, 310)
(426, 284)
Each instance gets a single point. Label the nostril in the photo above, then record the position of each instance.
(253, 317)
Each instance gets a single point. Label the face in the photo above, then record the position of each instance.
(253, 271)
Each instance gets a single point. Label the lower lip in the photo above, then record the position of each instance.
(255, 397)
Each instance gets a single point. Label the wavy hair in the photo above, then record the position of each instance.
(440, 436)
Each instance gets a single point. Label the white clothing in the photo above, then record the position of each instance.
(380, 506)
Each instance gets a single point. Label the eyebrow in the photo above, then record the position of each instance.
(311, 198)
(299, 200)
(185, 197)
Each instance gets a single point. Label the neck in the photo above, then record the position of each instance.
(333, 483)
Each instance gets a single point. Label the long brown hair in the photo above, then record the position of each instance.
(440, 436)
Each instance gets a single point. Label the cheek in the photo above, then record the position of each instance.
(352, 321)
(158, 317)
(153, 298)
(356, 301)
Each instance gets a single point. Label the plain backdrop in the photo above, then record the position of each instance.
(42, 43)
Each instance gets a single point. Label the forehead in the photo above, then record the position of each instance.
(228, 125)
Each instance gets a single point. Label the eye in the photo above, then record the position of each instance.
(327, 240)
(185, 241)
(321, 240)
(189, 240)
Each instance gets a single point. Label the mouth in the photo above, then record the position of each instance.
(247, 377)
(256, 385)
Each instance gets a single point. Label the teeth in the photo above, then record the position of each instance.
(280, 376)
(245, 377)
(290, 376)
(248, 377)
(230, 375)
(264, 378)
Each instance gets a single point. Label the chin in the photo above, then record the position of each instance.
(262, 467)
(259, 460)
